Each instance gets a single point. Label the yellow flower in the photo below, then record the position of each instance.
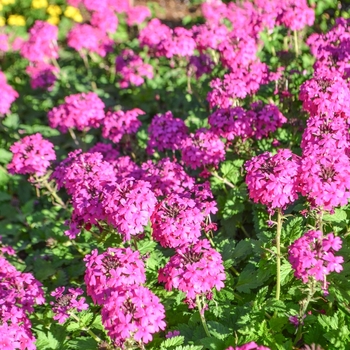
(53, 20)
(1, 7)
(7, 2)
(16, 20)
(38, 4)
(73, 13)
(2, 21)
(54, 10)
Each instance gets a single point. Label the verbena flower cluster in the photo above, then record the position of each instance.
(195, 269)
(249, 346)
(312, 256)
(272, 180)
(8, 95)
(166, 133)
(19, 293)
(129, 311)
(120, 123)
(67, 302)
(132, 69)
(31, 155)
(79, 111)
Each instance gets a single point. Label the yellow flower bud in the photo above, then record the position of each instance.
(7, 2)
(54, 10)
(2, 21)
(16, 20)
(38, 4)
(54, 20)
(74, 13)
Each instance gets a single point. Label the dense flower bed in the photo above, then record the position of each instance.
(174, 186)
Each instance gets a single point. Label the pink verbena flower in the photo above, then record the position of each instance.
(119, 123)
(87, 178)
(15, 336)
(133, 312)
(176, 221)
(85, 37)
(166, 177)
(325, 94)
(266, 119)
(137, 15)
(200, 65)
(111, 269)
(202, 149)
(166, 133)
(109, 153)
(238, 84)
(67, 301)
(8, 95)
(132, 69)
(31, 155)
(156, 36)
(195, 270)
(182, 43)
(231, 123)
(209, 36)
(106, 21)
(324, 178)
(42, 75)
(42, 43)
(312, 255)
(249, 346)
(296, 14)
(272, 180)
(81, 111)
(129, 205)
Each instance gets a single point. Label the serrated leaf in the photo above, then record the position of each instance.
(218, 330)
(73, 326)
(189, 347)
(338, 216)
(85, 318)
(247, 279)
(212, 343)
(97, 323)
(286, 272)
(5, 156)
(171, 342)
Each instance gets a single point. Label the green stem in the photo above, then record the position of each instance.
(296, 45)
(226, 182)
(53, 193)
(201, 314)
(278, 255)
(306, 303)
(88, 330)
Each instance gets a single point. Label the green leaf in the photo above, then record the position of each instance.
(338, 216)
(218, 330)
(73, 326)
(5, 156)
(171, 342)
(247, 279)
(85, 318)
(212, 343)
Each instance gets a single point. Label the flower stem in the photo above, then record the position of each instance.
(305, 304)
(88, 330)
(296, 45)
(226, 182)
(278, 255)
(53, 193)
(201, 314)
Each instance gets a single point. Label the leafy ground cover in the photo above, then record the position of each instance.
(174, 185)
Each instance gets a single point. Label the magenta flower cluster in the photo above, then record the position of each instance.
(8, 95)
(129, 311)
(272, 180)
(132, 69)
(31, 155)
(67, 302)
(249, 346)
(166, 133)
(195, 269)
(79, 111)
(312, 256)
(120, 123)
(19, 293)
